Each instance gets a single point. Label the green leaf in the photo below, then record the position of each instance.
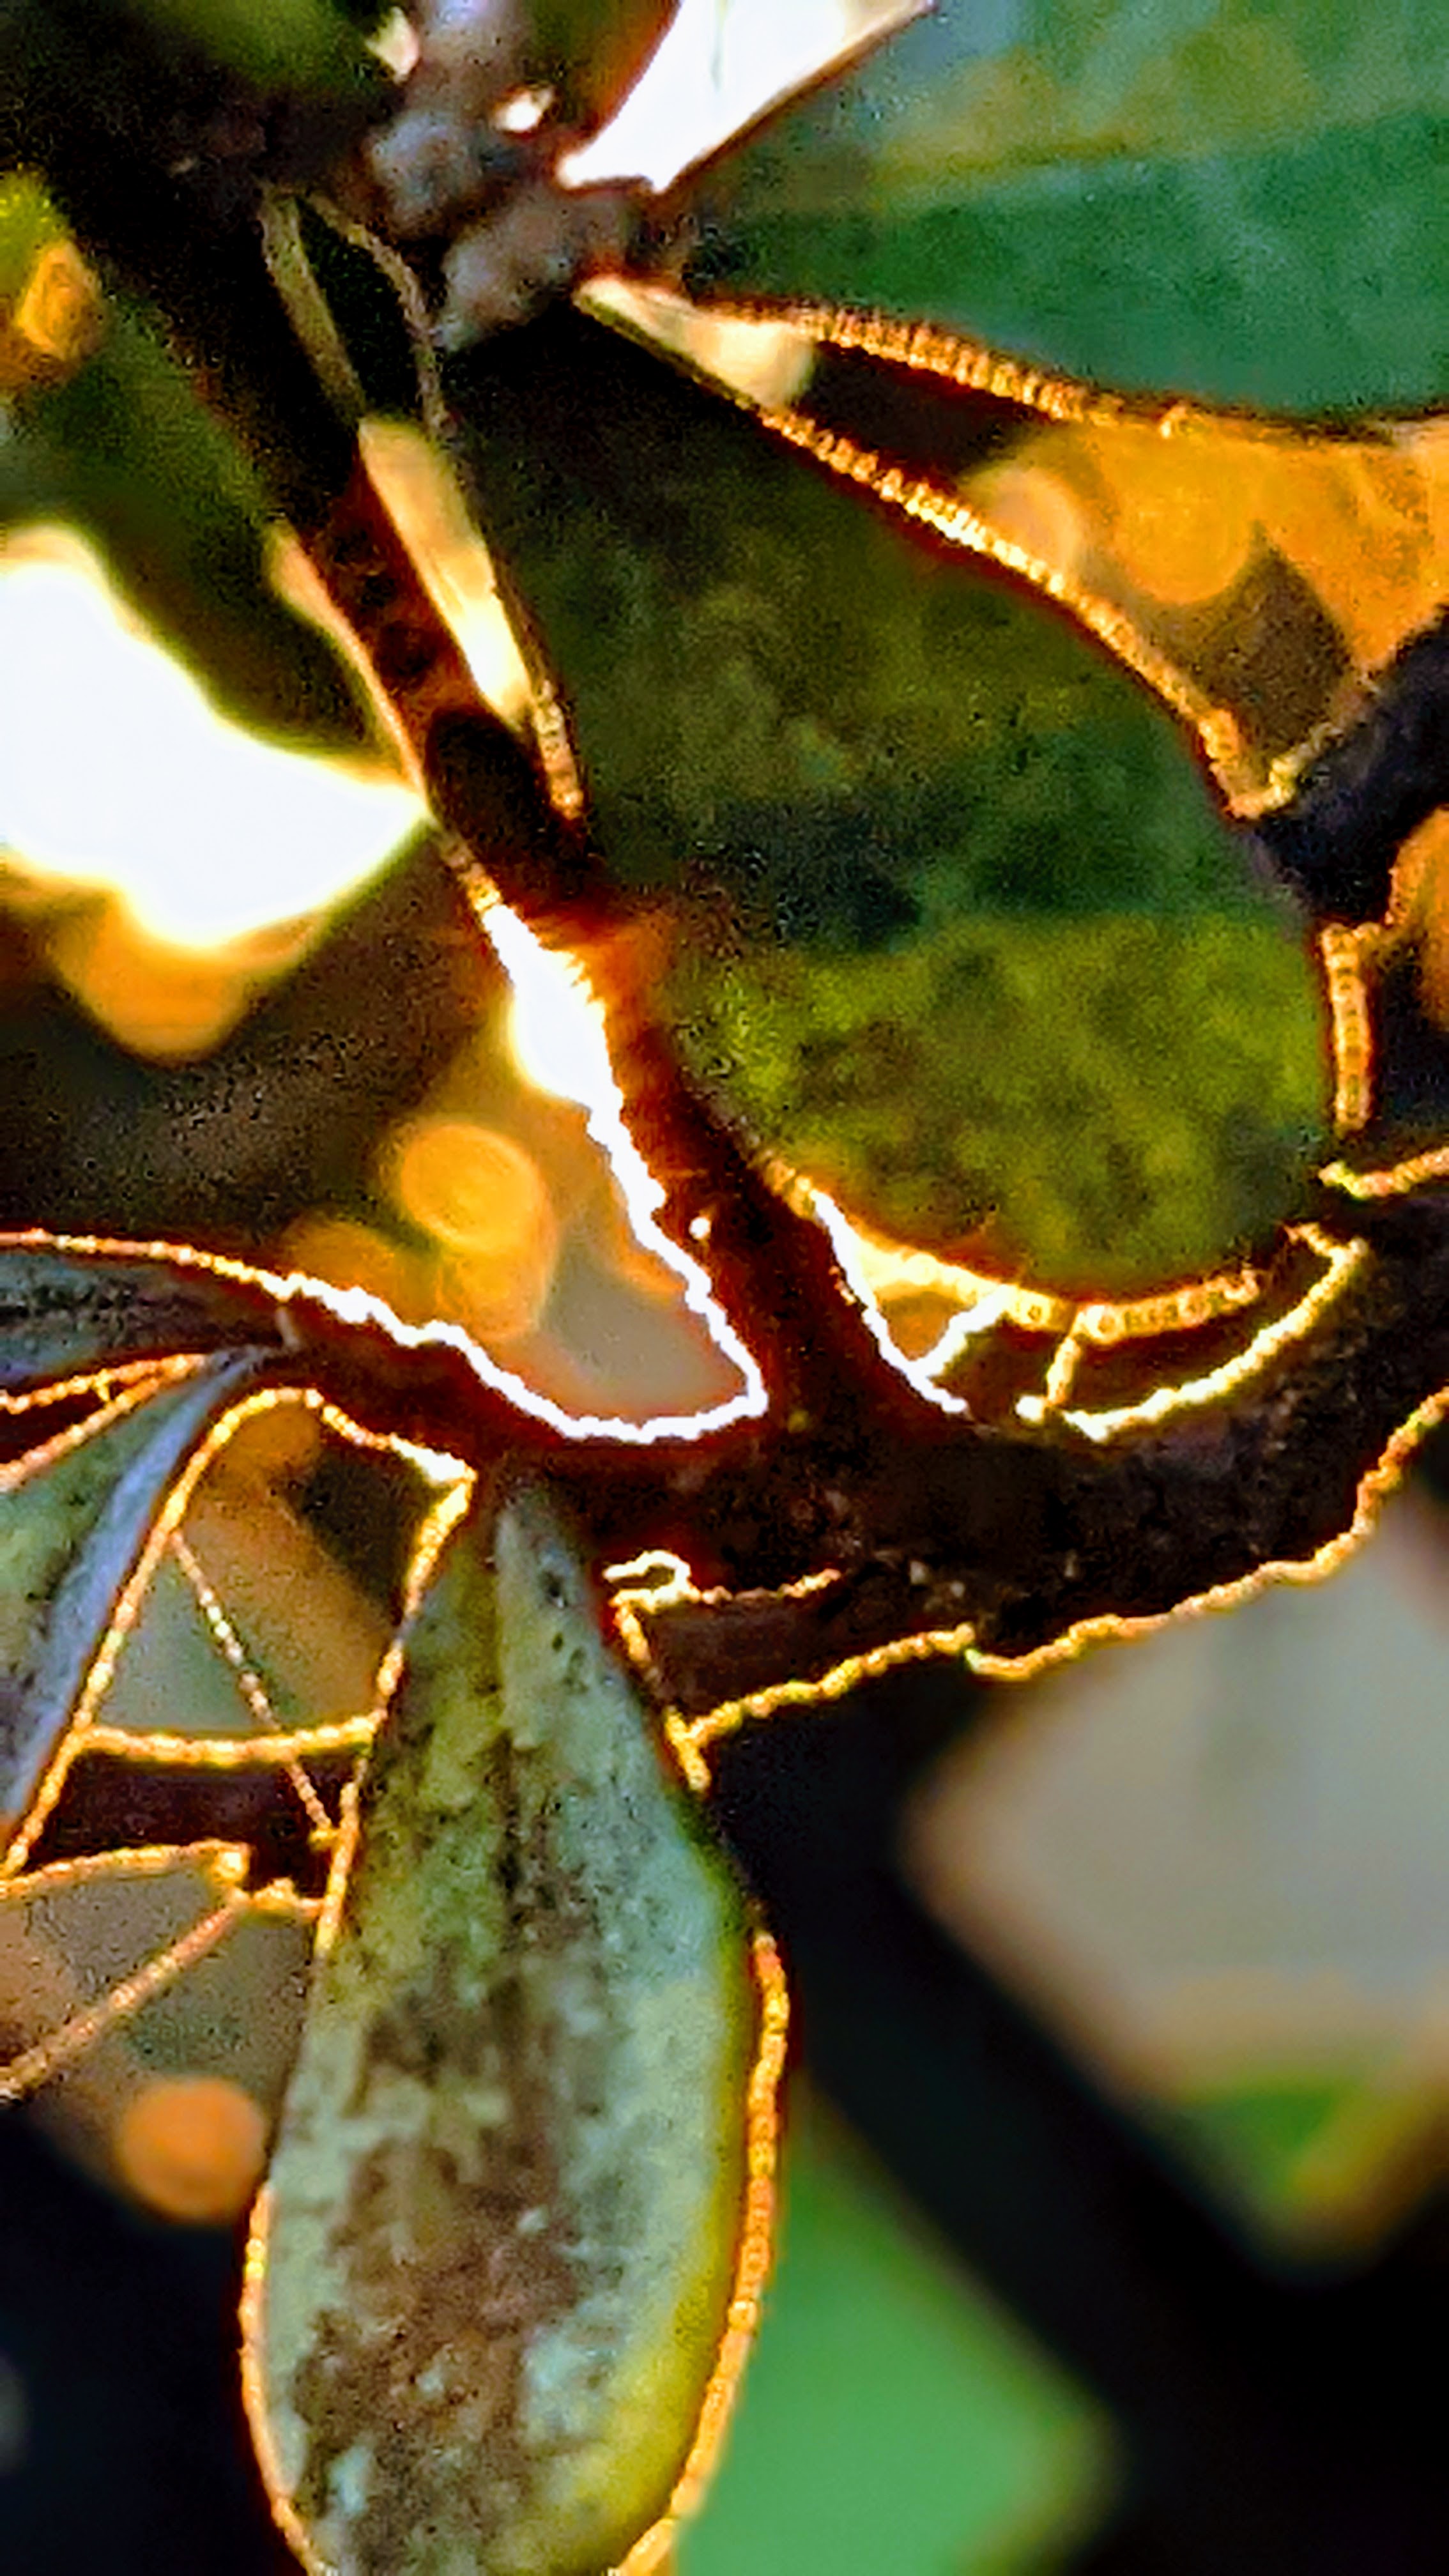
(288, 45)
(593, 51)
(75, 1519)
(892, 2418)
(1239, 202)
(950, 917)
(505, 2198)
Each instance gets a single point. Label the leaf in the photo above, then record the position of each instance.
(593, 51)
(1237, 203)
(290, 45)
(76, 1516)
(1260, 570)
(97, 1140)
(65, 1313)
(121, 448)
(945, 911)
(157, 2007)
(493, 2275)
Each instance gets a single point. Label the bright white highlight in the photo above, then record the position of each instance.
(721, 64)
(116, 770)
(767, 362)
(395, 44)
(560, 1042)
(852, 1253)
(524, 112)
(556, 1029)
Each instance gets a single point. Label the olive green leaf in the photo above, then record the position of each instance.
(120, 448)
(951, 919)
(297, 45)
(594, 50)
(505, 2198)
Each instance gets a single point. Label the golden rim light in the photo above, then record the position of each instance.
(754, 2252)
(876, 1270)
(759, 353)
(673, 1582)
(418, 494)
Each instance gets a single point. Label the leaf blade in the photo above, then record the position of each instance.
(538, 2002)
(1238, 208)
(847, 784)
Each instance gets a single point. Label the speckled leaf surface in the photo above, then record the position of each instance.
(1241, 203)
(504, 2203)
(947, 912)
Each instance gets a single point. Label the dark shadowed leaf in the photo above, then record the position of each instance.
(65, 1313)
(306, 45)
(118, 447)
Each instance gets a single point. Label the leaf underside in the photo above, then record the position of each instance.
(505, 2198)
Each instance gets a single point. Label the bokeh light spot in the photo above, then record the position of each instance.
(486, 1203)
(193, 2148)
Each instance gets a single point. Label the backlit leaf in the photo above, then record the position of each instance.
(75, 1519)
(503, 2211)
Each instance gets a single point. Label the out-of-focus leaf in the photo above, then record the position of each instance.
(288, 45)
(505, 2199)
(950, 917)
(594, 50)
(123, 450)
(1242, 203)
(97, 1140)
(170, 2101)
(74, 1522)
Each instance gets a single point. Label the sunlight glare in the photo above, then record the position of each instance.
(118, 771)
(768, 362)
(556, 1031)
(559, 1039)
(721, 64)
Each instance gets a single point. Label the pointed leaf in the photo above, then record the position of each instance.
(1242, 204)
(503, 2208)
(75, 1517)
(945, 910)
